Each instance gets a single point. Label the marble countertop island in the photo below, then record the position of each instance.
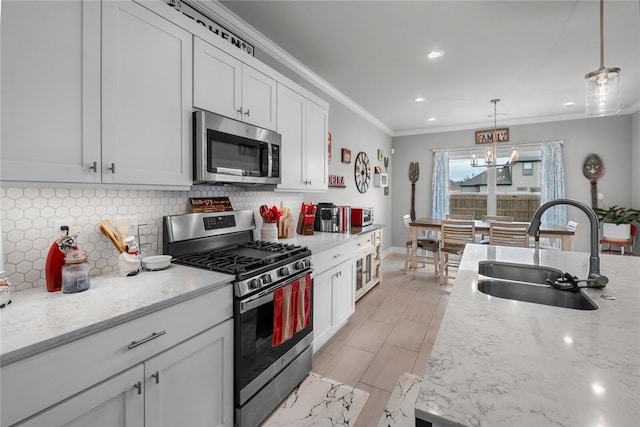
(499, 362)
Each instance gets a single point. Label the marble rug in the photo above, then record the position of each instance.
(319, 401)
(399, 411)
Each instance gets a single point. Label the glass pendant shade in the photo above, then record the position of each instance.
(603, 92)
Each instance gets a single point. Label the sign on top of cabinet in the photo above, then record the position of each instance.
(224, 85)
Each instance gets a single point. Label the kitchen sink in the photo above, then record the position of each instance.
(538, 294)
(519, 272)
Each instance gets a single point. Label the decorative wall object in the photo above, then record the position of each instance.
(380, 155)
(593, 169)
(336, 181)
(346, 155)
(362, 172)
(414, 174)
(486, 136)
(386, 164)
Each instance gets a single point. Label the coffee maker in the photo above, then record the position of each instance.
(327, 218)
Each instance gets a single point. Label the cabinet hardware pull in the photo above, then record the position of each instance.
(153, 336)
(247, 113)
(112, 168)
(156, 376)
(94, 167)
(239, 111)
(337, 255)
(138, 386)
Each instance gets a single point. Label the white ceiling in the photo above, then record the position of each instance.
(533, 55)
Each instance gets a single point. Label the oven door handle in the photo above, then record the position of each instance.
(267, 295)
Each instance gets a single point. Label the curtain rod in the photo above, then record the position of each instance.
(501, 145)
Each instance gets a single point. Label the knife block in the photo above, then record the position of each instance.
(305, 224)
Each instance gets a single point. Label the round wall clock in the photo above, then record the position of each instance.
(362, 172)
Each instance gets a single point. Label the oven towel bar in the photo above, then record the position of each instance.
(291, 310)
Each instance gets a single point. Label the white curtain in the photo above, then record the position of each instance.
(440, 184)
(552, 182)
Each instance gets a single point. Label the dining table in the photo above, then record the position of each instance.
(482, 228)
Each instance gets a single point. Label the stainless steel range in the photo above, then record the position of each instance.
(273, 318)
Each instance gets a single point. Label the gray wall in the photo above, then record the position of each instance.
(349, 130)
(614, 139)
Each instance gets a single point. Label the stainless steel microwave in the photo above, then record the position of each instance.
(227, 151)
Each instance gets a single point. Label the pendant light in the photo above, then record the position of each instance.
(603, 92)
(491, 153)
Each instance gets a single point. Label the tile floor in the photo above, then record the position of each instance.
(392, 331)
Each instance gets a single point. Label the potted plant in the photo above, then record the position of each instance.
(616, 221)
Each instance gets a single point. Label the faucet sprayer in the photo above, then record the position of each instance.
(595, 279)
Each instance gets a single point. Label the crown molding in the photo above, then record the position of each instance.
(238, 25)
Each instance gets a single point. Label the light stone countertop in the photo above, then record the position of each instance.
(37, 320)
(499, 362)
(322, 241)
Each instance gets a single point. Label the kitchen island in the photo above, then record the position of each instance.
(499, 362)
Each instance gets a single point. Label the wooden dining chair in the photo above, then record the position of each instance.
(501, 218)
(429, 246)
(490, 218)
(454, 236)
(508, 234)
(460, 217)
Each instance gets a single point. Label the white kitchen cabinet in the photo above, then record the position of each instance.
(50, 90)
(192, 383)
(94, 92)
(177, 361)
(146, 97)
(188, 384)
(224, 85)
(303, 125)
(368, 262)
(334, 291)
(118, 401)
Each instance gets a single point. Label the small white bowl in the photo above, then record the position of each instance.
(157, 262)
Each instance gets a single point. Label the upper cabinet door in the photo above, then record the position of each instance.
(258, 98)
(316, 150)
(146, 97)
(50, 91)
(224, 85)
(217, 80)
(291, 117)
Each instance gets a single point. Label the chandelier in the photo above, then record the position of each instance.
(603, 93)
(491, 153)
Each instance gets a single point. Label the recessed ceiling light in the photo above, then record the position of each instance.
(569, 104)
(435, 54)
(431, 119)
(418, 99)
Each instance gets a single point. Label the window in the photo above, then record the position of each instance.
(517, 190)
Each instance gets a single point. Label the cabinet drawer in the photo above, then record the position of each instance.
(322, 261)
(364, 241)
(35, 383)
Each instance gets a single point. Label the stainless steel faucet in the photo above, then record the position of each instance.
(595, 279)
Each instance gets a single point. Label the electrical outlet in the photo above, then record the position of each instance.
(59, 223)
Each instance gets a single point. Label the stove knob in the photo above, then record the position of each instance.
(254, 283)
(266, 278)
(301, 265)
(284, 271)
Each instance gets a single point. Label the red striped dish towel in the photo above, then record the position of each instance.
(291, 310)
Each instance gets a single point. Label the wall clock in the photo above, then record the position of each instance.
(362, 172)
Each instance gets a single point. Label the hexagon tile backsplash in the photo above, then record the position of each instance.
(28, 217)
